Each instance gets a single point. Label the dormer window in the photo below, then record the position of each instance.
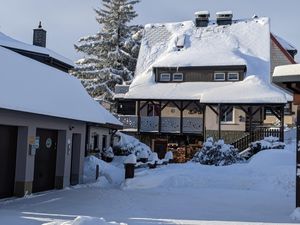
(177, 77)
(232, 76)
(165, 77)
(219, 76)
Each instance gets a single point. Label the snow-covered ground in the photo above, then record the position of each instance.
(259, 192)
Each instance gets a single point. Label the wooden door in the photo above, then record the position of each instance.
(8, 150)
(45, 160)
(160, 147)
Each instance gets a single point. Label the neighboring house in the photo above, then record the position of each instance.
(203, 78)
(45, 116)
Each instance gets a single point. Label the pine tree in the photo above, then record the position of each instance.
(111, 54)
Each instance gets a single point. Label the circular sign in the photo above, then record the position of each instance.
(48, 142)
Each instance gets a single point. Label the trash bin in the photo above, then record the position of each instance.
(129, 170)
(129, 163)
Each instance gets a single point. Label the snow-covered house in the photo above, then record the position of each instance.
(45, 114)
(203, 78)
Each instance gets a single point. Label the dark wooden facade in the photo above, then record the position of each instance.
(200, 74)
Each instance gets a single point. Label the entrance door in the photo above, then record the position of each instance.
(75, 159)
(8, 151)
(160, 147)
(45, 160)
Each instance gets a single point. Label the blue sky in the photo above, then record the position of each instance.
(67, 20)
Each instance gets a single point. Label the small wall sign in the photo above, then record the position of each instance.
(48, 143)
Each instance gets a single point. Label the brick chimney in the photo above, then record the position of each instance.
(39, 36)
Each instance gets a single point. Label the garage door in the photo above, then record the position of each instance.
(45, 160)
(8, 149)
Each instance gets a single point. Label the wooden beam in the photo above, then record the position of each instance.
(219, 120)
(159, 118)
(139, 117)
(281, 138)
(276, 114)
(203, 123)
(212, 108)
(165, 105)
(181, 117)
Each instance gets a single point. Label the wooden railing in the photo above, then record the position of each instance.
(258, 134)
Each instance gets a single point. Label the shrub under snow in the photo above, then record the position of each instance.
(126, 145)
(217, 153)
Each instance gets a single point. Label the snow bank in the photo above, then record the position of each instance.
(113, 175)
(87, 220)
(296, 214)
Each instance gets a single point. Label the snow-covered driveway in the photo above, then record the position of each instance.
(260, 192)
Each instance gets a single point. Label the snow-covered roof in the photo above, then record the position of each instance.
(30, 86)
(245, 42)
(285, 44)
(287, 73)
(7, 41)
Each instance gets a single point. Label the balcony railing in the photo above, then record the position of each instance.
(168, 124)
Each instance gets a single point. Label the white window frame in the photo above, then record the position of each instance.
(164, 79)
(229, 121)
(235, 73)
(217, 79)
(174, 74)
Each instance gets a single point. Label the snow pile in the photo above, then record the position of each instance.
(113, 175)
(87, 220)
(169, 156)
(130, 159)
(127, 144)
(296, 214)
(217, 153)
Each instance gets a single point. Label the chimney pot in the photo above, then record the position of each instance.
(224, 17)
(39, 36)
(202, 18)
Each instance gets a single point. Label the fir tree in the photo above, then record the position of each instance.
(111, 54)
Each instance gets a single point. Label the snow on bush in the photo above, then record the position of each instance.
(296, 214)
(130, 159)
(267, 143)
(87, 220)
(217, 153)
(126, 145)
(169, 155)
(108, 152)
(153, 157)
(113, 175)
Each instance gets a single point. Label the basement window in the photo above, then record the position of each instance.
(165, 77)
(177, 76)
(218, 76)
(232, 76)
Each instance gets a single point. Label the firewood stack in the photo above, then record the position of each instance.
(179, 155)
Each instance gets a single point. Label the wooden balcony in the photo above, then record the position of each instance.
(168, 124)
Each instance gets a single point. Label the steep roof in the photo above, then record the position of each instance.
(245, 42)
(6, 41)
(29, 86)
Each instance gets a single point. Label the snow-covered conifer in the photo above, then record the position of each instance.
(110, 55)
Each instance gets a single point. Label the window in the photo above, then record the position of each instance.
(177, 76)
(228, 116)
(165, 77)
(96, 141)
(104, 140)
(219, 76)
(233, 76)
